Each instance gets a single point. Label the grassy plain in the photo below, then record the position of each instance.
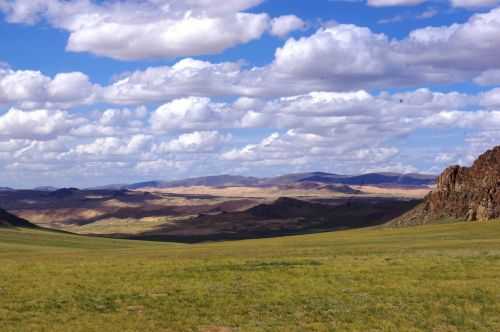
(440, 278)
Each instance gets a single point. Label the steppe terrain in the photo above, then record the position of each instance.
(428, 278)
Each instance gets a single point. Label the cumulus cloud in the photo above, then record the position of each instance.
(187, 77)
(336, 131)
(307, 149)
(113, 146)
(168, 38)
(131, 30)
(195, 142)
(337, 57)
(36, 125)
(187, 113)
(334, 58)
(489, 77)
(474, 3)
(348, 55)
(429, 13)
(284, 25)
(32, 89)
(69, 87)
(388, 3)
(491, 99)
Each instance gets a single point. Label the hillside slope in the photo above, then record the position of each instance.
(432, 278)
(284, 216)
(10, 220)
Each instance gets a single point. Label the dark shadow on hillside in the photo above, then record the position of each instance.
(8, 220)
(284, 217)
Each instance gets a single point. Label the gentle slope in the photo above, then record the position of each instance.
(430, 278)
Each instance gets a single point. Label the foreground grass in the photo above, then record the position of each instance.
(431, 278)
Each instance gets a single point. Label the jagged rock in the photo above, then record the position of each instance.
(464, 193)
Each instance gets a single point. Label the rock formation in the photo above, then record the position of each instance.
(463, 193)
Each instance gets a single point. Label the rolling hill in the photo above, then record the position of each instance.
(430, 278)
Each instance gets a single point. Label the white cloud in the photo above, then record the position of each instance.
(188, 113)
(454, 119)
(195, 142)
(284, 25)
(31, 89)
(344, 56)
(393, 19)
(307, 149)
(334, 58)
(388, 3)
(474, 3)
(491, 98)
(397, 167)
(187, 77)
(489, 77)
(113, 146)
(68, 87)
(131, 30)
(429, 13)
(168, 38)
(346, 132)
(39, 124)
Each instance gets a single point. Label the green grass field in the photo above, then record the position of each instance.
(432, 278)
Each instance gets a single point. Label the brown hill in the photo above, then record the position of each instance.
(285, 216)
(462, 193)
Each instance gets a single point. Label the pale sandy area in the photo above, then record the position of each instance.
(274, 192)
(396, 192)
(246, 192)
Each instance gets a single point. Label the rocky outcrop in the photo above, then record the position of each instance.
(463, 193)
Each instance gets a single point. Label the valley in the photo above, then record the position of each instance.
(201, 213)
(299, 256)
(249, 166)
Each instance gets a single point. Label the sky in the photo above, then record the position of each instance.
(96, 92)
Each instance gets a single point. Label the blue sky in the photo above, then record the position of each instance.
(95, 92)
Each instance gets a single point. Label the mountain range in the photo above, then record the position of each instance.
(296, 179)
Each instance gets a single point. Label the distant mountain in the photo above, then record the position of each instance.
(288, 179)
(149, 184)
(216, 181)
(376, 179)
(45, 188)
(6, 189)
(63, 193)
(110, 187)
(208, 181)
(371, 179)
(10, 220)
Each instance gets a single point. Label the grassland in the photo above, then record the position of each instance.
(430, 278)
